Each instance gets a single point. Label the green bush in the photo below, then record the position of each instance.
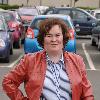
(5, 6)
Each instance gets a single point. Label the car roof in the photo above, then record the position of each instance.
(71, 8)
(59, 16)
(54, 16)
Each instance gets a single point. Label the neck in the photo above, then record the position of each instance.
(55, 56)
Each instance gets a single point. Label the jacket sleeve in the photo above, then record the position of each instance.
(87, 93)
(14, 78)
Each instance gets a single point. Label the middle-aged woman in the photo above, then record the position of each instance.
(51, 74)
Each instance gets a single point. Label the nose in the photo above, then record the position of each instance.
(53, 38)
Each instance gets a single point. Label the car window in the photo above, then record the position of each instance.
(35, 24)
(97, 15)
(9, 17)
(92, 13)
(79, 15)
(2, 25)
(64, 11)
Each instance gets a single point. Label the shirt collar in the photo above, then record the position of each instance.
(49, 60)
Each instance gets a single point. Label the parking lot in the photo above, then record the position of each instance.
(21, 29)
(89, 53)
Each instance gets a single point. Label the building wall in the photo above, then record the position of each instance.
(88, 3)
(80, 3)
(3, 1)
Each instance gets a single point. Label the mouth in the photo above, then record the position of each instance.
(54, 44)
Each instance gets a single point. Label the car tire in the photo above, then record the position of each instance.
(7, 57)
(99, 44)
(93, 43)
(11, 50)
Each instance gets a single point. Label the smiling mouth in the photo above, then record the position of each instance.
(54, 44)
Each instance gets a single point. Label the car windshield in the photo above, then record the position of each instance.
(9, 17)
(17, 16)
(28, 11)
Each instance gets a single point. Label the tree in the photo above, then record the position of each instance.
(2, 2)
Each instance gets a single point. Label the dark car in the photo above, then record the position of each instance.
(6, 40)
(95, 37)
(82, 20)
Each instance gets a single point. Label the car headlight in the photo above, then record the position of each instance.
(2, 43)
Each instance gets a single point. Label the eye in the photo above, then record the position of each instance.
(57, 35)
(48, 35)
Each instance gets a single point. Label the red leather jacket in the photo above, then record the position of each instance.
(31, 70)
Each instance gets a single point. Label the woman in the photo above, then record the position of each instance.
(51, 74)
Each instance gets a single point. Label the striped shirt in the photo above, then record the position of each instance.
(56, 83)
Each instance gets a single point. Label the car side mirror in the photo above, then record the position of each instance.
(77, 27)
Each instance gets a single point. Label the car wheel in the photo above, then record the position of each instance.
(7, 57)
(99, 45)
(93, 43)
(11, 50)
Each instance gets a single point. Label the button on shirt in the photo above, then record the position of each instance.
(56, 83)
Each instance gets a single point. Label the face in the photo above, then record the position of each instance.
(53, 41)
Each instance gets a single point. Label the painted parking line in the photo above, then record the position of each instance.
(14, 63)
(90, 62)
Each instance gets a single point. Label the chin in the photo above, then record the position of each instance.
(54, 50)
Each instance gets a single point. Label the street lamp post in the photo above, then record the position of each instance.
(99, 3)
(2, 2)
(40, 2)
(70, 3)
(27, 2)
(7, 2)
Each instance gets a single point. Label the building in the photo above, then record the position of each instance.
(3, 1)
(79, 3)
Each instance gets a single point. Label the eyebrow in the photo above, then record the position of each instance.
(51, 33)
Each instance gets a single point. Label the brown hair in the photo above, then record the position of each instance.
(45, 27)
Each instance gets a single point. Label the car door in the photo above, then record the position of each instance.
(83, 21)
(96, 33)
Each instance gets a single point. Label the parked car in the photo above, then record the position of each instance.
(95, 37)
(96, 13)
(27, 13)
(82, 20)
(6, 40)
(31, 45)
(15, 23)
